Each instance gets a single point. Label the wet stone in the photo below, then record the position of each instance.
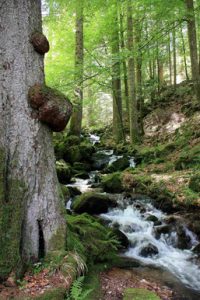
(149, 250)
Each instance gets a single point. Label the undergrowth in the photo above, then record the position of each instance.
(92, 240)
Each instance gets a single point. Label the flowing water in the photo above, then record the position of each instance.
(175, 267)
(131, 219)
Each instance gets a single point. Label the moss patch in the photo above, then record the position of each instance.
(139, 294)
(58, 240)
(54, 294)
(92, 203)
(112, 183)
(88, 237)
(11, 215)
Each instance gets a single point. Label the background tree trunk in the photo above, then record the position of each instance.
(125, 76)
(174, 55)
(133, 113)
(31, 220)
(116, 82)
(192, 37)
(76, 119)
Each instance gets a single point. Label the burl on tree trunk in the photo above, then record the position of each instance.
(52, 107)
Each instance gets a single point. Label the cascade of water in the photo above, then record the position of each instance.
(152, 249)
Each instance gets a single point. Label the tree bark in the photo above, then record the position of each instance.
(174, 55)
(140, 99)
(192, 37)
(76, 119)
(133, 112)
(31, 218)
(125, 76)
(170, 59)
(184, 55)
(116, 82)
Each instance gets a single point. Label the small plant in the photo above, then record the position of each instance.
(76, 292)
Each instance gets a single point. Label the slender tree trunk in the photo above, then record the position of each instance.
(170, 60)
(184, 55)
(76, 120)
(192, 37)
(174, 55)
(140, 99)
(125, 75)
(133, 112)
(116, 83)
(31, 221)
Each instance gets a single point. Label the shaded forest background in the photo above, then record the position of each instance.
(130, 53)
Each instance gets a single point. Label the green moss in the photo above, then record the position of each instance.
(188, 158)
(53, 294)
(92, 203)
(73, 154)
(91, 239)
(139, 294)
(63, 171)
(58, 240)
(112, 183)
(12, 195)
(194, 183)
(86, 150)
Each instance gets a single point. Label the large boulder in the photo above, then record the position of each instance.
(92, 203)
(63, 171)
(119, 165)
(112, 183)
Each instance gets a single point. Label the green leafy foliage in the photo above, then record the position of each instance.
(76, 290)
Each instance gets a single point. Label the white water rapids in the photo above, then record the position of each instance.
(141, 233)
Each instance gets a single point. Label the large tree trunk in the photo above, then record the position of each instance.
(76, 120)
(192, 37)
(31, 221)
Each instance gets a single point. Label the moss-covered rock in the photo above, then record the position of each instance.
(73, 154)
(112, 183)
(88, 237)
(72, 140)
(194, 183)
(86, 150)
(92, 203)
(64, 171)
(119, 165)
(139, 294)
